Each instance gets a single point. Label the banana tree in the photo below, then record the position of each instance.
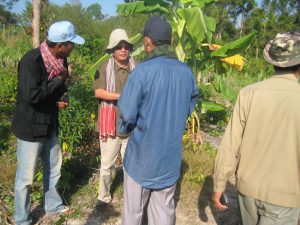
(192, 29)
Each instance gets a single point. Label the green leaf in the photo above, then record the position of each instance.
(136, 38)
(211, 106)
(139, 7)
(39, 176)
(202, 3)
(197, 3)
(234, 47)
(198, 25)
(92, 70)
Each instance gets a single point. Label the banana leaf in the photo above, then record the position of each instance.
(139, 7)
(234, 47)
(211, 106)
(198, 25)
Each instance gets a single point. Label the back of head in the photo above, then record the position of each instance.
(284, 50)
(158, 30)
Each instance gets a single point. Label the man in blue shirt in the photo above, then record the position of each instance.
(157, 98)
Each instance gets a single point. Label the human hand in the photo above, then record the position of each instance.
(70, 69)
(217, 203)
(64, 75)
(62, 105)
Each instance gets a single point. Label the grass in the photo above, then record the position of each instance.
(197, 166)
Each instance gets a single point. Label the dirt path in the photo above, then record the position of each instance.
(193, 207)
(197, 211)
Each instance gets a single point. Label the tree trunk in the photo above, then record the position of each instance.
(36, 20)
(242, 23)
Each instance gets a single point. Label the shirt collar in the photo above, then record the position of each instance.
(286, 75)
(163, 51)
(117, 67)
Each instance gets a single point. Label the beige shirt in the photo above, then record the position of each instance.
(261, 144)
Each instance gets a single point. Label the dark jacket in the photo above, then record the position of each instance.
(36, 114)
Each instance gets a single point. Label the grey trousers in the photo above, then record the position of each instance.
(256, 212)
(160, 204)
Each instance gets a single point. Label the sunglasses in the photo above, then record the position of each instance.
(120, 47)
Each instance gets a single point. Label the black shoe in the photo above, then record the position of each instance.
(103, 205)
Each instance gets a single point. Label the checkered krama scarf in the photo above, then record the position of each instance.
(107, 112)
(53, 65)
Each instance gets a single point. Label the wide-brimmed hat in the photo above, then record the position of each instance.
(116, 37)
(283, 50)
(63, 31)
(157, 29)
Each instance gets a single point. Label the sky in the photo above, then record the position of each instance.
(109, 7)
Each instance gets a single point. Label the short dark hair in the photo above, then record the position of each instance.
(161, 42)
(291, 68)
(53, 44)
(50, 43)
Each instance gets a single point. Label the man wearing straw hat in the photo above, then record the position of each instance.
(261, 144)
(109, 81)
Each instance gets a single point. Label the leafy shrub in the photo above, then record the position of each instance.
(77, 132)
(8, 83)
(78, 117)
(258, 67)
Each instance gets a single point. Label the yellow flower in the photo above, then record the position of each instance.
(93, 116)
(235, 61)
(65, 146)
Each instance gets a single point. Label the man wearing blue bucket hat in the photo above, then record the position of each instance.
(42, 73)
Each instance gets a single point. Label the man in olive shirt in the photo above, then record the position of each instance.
(261, 144)
(109, 81)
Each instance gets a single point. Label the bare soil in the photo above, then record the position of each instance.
(193, 207)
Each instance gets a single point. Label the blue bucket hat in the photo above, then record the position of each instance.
(64, 31)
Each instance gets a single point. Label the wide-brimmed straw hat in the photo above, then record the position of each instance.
(116, 37)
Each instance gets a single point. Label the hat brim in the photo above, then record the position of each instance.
(110, 47)
(283, 64)
(78, 40)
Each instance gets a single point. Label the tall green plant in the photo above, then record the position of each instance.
(191, 29)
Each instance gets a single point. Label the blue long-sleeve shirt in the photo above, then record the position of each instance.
(155, 103)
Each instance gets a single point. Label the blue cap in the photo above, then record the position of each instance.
(63, 31)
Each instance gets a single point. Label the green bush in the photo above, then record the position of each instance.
(78, 118)
(77, 133)
(8, 84)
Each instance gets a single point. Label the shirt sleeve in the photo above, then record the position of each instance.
(228, 154)
(100, 78)
(129, 104)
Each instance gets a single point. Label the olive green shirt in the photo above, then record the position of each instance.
(261, 144)
(121, 75)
